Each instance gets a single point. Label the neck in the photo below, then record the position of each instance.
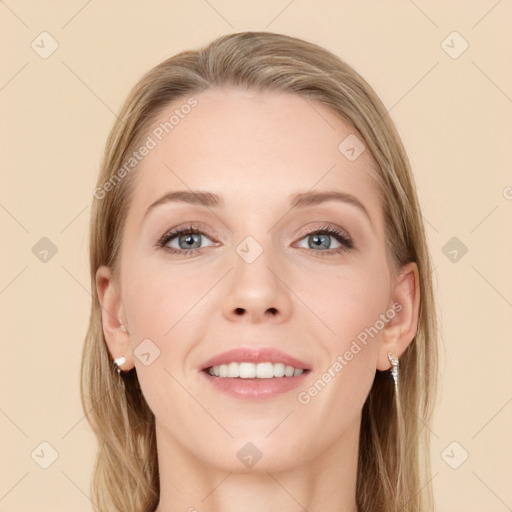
(326, 483)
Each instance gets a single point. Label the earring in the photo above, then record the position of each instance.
(119, 362)
(394, 369)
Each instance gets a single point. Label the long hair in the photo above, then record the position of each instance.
(393, 471)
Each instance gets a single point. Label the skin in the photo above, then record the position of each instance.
(255, 149)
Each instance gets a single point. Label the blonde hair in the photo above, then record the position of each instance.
(393, 470)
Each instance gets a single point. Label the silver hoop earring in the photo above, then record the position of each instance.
(394, 369)
(119, 362)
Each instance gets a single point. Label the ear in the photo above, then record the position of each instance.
(401, 329)
(113, 319)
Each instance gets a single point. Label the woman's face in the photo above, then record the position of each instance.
(261, 272)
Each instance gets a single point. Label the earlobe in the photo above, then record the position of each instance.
(401, 329)
(112, 315)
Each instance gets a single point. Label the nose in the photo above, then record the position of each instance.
(258, 291)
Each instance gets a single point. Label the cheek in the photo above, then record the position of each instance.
(155, 299)
(349, 303)
(345, 302)
(349, 307)
(156, 307)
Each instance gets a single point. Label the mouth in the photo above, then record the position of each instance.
(255, 373)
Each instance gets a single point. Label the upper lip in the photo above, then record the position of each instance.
(255, 355)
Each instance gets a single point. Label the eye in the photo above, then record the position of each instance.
(321, 238)
(186, 240)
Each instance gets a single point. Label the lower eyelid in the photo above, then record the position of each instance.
(343, 247)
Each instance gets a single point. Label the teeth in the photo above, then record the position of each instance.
(252, 370)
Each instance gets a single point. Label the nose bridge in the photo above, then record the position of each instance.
(253, 263)
(256, 291)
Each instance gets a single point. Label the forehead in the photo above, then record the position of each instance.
(251, 146)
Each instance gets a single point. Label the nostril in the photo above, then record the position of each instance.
(239, 311)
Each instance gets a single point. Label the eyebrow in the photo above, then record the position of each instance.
(301, 200)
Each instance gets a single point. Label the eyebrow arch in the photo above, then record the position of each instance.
(301, 200)
(313, 198)
(207, 199)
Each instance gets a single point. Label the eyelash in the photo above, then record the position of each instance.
(339, 235)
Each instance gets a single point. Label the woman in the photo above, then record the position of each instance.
(263, 329)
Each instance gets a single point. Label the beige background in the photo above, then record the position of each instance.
(455, 117)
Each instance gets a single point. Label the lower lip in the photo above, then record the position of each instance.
(255, 389)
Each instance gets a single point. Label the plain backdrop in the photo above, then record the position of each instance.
(443, 70)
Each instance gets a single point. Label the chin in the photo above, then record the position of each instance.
(255, 454)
